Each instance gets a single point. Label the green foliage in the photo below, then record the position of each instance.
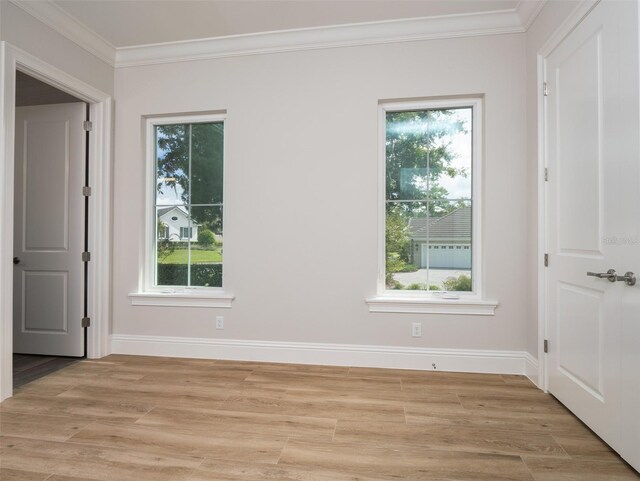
(398, 243)
(462, 283)
(205, 275)
(409, 268)
(206, 237)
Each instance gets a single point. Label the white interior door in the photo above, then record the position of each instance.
(592, 133)
(49, 230)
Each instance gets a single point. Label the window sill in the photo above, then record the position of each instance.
(181, 299)
(415, 305)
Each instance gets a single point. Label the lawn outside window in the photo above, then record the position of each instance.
(429, 253)
(185, 212)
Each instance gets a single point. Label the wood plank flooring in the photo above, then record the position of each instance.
(129, 418)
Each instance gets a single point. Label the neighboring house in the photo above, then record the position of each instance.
(443, 242)
(175, 225)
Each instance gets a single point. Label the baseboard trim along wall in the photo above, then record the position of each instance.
(458, 360)
(531, 368)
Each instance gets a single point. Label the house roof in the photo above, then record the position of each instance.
(163, 210)
(455, 225)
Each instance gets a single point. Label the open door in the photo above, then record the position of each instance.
(49, 230)
(592, 152)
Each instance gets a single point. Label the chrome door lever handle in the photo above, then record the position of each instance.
(629, 278)
(610, 275)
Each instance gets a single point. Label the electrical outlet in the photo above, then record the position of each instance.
(416, 329)
(219, 322)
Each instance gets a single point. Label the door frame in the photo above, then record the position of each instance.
(13, 59)
(566, 27)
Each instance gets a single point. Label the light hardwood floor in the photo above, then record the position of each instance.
(127, 418)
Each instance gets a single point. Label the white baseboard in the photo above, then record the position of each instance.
(459, 360)
(531, 369)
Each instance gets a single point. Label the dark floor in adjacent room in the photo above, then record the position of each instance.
(29, 367)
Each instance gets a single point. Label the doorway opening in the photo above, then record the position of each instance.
(51, 218)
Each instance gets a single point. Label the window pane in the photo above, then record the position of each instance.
(428, 153)
(172, 164)
(407, 146)
(450, 156)
(207, 163)
(171, 248)
(402, 218)
(189, 179)
(446, 250)
(429, 158)
(428, 249)
(206, 246)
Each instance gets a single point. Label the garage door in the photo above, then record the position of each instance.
(446, 256)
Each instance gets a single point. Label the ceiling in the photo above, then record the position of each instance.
(126, 23)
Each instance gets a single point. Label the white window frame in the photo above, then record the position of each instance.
(148, 293)
(434, 302)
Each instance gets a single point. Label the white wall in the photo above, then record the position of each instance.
(549, 19)
(301, 170)
(27, 33)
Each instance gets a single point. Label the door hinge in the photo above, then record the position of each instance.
(546, 174)
(85, 322)
(86, 256)
(546, 345)
(86, 191)
(87, 125)
(545, 89)
(546, 260)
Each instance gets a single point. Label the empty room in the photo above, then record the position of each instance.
(319, 240)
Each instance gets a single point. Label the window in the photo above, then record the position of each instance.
(187, 192)
(186, 232)
(429, 154)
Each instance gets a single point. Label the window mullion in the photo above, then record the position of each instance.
(428, 253)
(189, 225)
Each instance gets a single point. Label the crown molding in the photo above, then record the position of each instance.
(528, 11)
(393, 31)
(516, 20)
(59, 20)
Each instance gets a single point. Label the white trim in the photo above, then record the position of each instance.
(476, 103)
(147, 291)
(528, 12)
(391, 31)
(181, 299)
(460, 360)
(566, 27)
(569, 23)
(532, 369)
(415, 305)
(68, 26)
(542, 235)
(99, 203)
(7, 83)
(515, 20)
